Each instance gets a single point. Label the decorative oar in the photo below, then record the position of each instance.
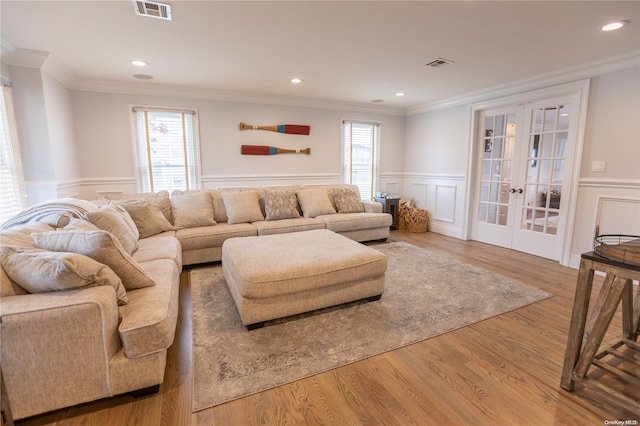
(292, 129)
(270, 150)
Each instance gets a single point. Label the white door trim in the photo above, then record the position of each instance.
(578, 88)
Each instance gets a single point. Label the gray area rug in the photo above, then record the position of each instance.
(426, 294)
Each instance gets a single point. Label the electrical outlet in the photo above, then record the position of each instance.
(598, 166)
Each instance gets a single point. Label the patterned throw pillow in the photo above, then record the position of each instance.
(347, 200)
(280, 204)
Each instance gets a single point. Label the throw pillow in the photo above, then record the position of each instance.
(192, 209)
(161, 198)
(280, 204)
(347, 200)
(109, 218)
(242, 206)
(41, 271)
(148, 218)
(101, 246)
(314, 202)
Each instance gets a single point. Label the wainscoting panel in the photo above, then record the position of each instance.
(445, 206)
(611, 205)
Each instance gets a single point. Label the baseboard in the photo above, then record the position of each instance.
(447, 230)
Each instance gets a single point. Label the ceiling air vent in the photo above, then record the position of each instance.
(153, 9)
(437, 63)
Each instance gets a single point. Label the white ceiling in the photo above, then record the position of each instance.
(348, 52)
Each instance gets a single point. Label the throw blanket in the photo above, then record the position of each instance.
(45, 211)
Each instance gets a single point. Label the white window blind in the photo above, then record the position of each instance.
(167, 149)
(12, 193)
(360, 140)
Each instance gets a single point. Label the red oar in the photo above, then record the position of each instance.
(270, 150)
(292, 129)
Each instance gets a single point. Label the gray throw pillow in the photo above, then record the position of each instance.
(242, 206)
(148, 217)
(314, 201)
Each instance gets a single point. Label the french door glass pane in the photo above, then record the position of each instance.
(496, 168)
(545, 174)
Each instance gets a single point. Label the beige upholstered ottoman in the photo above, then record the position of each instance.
(274, 276)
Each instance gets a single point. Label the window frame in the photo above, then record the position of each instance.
(18, 200)
(375, 162)
(142, 155)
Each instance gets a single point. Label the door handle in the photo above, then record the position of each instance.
(512, 190)
(520, 191)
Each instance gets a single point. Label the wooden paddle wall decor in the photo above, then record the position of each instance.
(270, 150)
(291, 129)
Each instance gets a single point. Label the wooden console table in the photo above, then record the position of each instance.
(583, 347)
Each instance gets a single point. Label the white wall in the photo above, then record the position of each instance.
(105, 151)
(610, 199)
(435, 166)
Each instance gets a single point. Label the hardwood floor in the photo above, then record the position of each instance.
(501, 371)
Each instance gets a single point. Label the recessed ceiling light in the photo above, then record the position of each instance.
(612, 26)
(296, 80)
(139, 63)
(400, 94)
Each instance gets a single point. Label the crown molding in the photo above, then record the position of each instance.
(560, 76)
(152, 89)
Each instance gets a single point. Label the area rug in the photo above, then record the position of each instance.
(426, 294)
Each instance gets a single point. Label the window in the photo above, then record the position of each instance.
(12, 193)
(167, 149)
(360, 141)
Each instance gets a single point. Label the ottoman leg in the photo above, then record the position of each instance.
(255, 326)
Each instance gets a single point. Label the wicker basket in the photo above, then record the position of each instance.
(415, 219)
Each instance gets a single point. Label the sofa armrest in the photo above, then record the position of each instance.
(372, 206)
(56, 348)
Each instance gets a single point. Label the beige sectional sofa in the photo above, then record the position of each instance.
(89, 290)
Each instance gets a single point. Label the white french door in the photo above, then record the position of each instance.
(524, 168)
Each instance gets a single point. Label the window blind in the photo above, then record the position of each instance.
(12, 192)
(167, 149)
(360, 155)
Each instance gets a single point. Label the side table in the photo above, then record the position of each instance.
(390, 205)
(585, 339)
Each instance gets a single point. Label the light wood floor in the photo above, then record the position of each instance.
(501, 371)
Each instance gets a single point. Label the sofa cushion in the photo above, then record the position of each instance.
(149, 319)
(213, 236)
(280, 204)
(148, 217)
(242, 206)
(161, 198)
(192, 209)
(347, 199)
(314, 201)
(159, 246)
(343, 222)
(42, 271)
(112, 218)
(284, 226)
(98, 245)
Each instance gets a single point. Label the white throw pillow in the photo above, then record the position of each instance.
(41, 271)
(101, 246)
(242, 206)
(314, 201)
(192, 209)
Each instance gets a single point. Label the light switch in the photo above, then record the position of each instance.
(598, 166)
